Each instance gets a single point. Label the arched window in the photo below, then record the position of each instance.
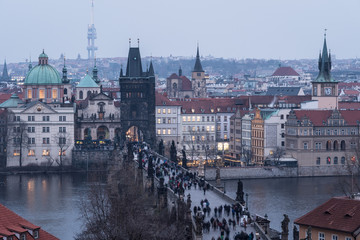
(342, 160)
(88, 93)
(65, 90)
(174, 86)
(342, 145)
(328, 160)
(328, 145)
(336, 145)
(81, 95)
(335, 160)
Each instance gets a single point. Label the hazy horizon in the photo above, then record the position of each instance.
(234, 29)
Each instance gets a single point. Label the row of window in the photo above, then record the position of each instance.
(333, 237)
(197, 128)
(159, 111)
(319, 132)
(166, 120)
(335, 160)
(44, 118)
(50, 93)
(44, 129)
(163, 131)
(198, 119)
(31, 152)
(197, 138)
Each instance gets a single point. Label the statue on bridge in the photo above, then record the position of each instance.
(285, 227)
(161, 148)
(240, 192)
(150, 169)
(173, 152)
(184, 160)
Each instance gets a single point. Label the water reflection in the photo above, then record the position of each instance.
(293, 196)
(48, 200)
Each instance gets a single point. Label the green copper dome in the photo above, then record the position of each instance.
(43, 75)
(43, 55)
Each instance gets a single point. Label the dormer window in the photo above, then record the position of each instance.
(212, 110)
(192, 110)
(36, 234)
(23, 236)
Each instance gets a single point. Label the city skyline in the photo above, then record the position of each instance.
(238, 29)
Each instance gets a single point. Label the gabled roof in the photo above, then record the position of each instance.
(319, 117)
(339, 214)
(285, 71)
(11, 223)
(87, 82)
(283, 91)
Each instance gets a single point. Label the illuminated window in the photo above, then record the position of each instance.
(226, 146)
(63, 153)
(184, 119)
(159, 131)
(164, 110)
(192, 110)
(16, 152)
(169, 110)
(203, 138)
(212, 128)
(198, 118)
(189, 118)
(169, 131)
(193, 138)
(225, 136)
(207, 128)
(42, 93)
(54, 93)
(159, 110)
(46, 152)
(31, 152)
(193, 129)
(159, 120)
(164, 131)
(193, 118)
(29, 93)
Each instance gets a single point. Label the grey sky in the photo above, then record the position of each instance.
(285, 29)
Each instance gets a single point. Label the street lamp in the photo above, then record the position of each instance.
(247, 200)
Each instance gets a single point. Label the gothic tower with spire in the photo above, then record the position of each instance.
(91, 35)
(137, 92)
(324, 87)
(5, 75)
(198, 81)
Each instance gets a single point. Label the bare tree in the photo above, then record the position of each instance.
(278, 153)
(247, 155)
(63, 141)
(128, 213)
(18, 136)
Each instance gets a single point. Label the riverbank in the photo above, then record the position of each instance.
(231, 173)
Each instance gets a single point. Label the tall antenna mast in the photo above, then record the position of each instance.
(92, 12)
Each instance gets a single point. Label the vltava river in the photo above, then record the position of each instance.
(52, 200)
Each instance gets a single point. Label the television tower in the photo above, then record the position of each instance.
(91, 35)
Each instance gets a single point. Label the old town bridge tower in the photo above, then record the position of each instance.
(137, 89)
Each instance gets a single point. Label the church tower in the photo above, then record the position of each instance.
(198, 80)
(137, 92)
(324, 87)
(5, 75)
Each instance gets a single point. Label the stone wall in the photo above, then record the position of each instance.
(91, 158)
(277, 172)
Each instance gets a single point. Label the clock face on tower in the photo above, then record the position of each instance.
(327, 91)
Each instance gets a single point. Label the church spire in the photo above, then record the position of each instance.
(198, 67)
(324, 64)
(64, 71)
(95, 72)
(151, 70)
(5, 74)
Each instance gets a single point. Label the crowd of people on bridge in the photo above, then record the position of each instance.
(221, 219)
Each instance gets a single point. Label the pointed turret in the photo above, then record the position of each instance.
(180, 71)
(134, 67)
(151, 70)
(324, 65)
(64, 71)
(121, 72)
(198, 67)
(30, 65)
(95, 72)
(5, 74)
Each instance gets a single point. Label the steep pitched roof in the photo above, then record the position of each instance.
(12, 102)
(285, 71)
(283, 91)
(134, 67)
(324, 65)
(186, 84)
(87, 82)
(198, 66)
(339, 213)
(11, 223)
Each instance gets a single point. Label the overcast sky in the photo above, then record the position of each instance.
(277, 29)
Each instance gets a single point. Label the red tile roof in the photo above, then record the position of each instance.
(318, 117)
(285, 71)
(11, 223)
(339, 214)
(349, 105)
(351, 92)
(186, 84)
